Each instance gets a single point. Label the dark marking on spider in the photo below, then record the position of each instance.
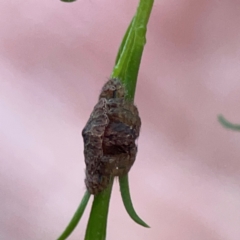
(109, 137)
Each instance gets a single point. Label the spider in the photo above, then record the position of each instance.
(110, 137)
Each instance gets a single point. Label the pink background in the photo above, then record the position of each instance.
(54, 58)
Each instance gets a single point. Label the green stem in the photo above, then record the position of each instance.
(76, 217)
(129, 56)
(225, 123)
(123, 43)
(97, 223)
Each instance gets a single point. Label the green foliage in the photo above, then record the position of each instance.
(225, 123)
(76, 217)
(130, 52)
(125, 193)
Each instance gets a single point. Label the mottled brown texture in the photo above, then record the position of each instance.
(109, 137)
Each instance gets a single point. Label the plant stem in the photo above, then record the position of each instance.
(130, 52)
(97, 223)
(225, 123)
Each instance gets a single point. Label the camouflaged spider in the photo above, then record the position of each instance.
(109, 137)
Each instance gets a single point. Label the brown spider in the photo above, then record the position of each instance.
(109, 137)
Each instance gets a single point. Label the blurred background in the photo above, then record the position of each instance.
(54, 59)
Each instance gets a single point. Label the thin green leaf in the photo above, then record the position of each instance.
(76, 218)
(124, 188)
(225, 123)
(97, 222)
(129, 55)
(123, 42)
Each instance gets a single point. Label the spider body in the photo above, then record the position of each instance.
(109, 137)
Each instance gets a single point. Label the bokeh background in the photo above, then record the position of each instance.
(54, 59)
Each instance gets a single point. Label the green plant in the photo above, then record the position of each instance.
(225, 123)
(126, 69)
